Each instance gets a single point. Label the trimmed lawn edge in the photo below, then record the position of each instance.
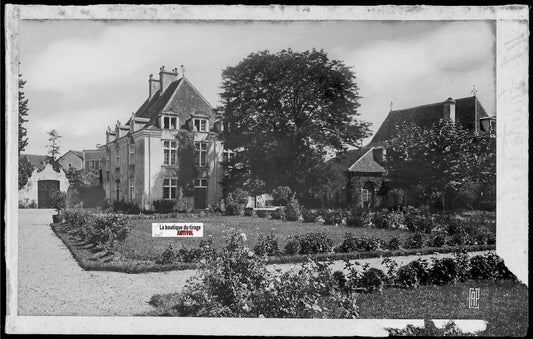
(82, 256)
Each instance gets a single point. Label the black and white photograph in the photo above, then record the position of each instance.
(267, 170)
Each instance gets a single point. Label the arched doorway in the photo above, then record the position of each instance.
(44, 189)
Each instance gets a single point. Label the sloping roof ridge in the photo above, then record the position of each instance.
(432, 104)
(197, 91)
(361, 157)
(76, 153)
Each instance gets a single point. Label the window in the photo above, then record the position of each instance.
(170, 122)
(107, 175)
(201, 153)
(200, 125)
(227, 156)
(200, 183)
(170, 149)
(170, 188)
(132, 153)
(117, 191)
(69, 165)
(94, 164)
(131, 185)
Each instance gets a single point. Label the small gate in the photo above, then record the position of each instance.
(44, 189)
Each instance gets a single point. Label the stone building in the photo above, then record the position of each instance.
(71, 159)
(366, 172)
(146, 158)
(44, 180)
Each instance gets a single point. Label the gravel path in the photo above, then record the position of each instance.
(50, 282)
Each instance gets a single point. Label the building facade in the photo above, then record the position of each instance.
(169, 149)
(366, 174)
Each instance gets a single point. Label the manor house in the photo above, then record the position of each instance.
(143, 160)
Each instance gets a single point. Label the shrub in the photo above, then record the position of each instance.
(340, 278)
(292, 211)
(168, 256)
(489, 266)
(188, 255)
(406, 276)
(261, 213)
(394, 244)
(281, 195)
(371, 279)
(266, 245)
(235, 283)
(107, 230)
(278, 214)
(230, 204)
(240, 196)
(460, 239)
(415, 241)
(356, 218)
(444, 271)
(315, 242)
(126, 207)
(389, 220)
(164, 206)
(420, 223)
(309, 215)
(332, 217)
(370, 244)
(437, 241)
(454, 225)
(292, 246)
(249, 212)
(58, 201)
(349, 244)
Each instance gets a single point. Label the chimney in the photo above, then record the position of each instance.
(449, 110)
(166, 77)
(153, 86)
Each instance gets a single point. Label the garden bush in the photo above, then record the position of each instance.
(444, 271)
(58, 201)
(349, 244)
(438, 240)
(420, 223)
(309, 215)
(278, 214)
(126, 207)
(356, 218)
(249, 212)
(164, 205)
(406, 276)
(261, 213)
(240, 198)
(340, 278)
(394, 244)
(281, 195)
(292, 246)
(371, 279)
(292, 211)
(168, 256)
(332, 217)
(315, 242)
(266, 245)
(415, 241)
(389, 220)
(236, 283)
(489, 266)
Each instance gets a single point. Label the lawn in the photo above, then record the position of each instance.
(503, 304)
(141, 246)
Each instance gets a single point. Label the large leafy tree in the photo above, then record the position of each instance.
(283, 112)
(440, 160)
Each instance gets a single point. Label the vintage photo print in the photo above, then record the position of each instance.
(268, 170)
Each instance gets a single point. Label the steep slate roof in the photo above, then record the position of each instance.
(180, 97)
(367, 163)
(427, 115)
(35, 160)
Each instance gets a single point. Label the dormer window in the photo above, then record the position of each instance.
(170, 122)
(200, 125)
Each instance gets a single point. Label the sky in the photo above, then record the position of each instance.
(85, 75)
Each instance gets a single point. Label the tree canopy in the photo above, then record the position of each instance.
(54, 144)
(23, 113)
(283, 112)
(440, 160)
